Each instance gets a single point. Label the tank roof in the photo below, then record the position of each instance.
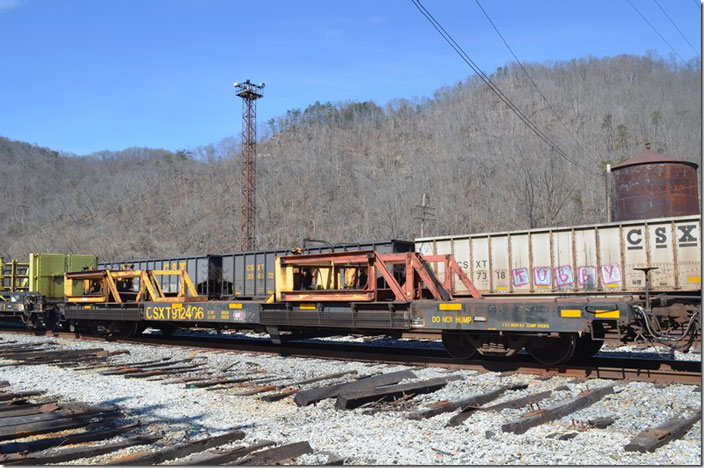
(652, 157)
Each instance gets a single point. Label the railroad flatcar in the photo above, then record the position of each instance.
(33, 291)
(371, 292)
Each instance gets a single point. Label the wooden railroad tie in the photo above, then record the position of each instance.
(219, 456)
(102, 432)
(356, 397)
(276, 455)
(24, 403)
(583, 400)
(159, 456)
(654, 437)
(314, 395)
(290, 389)
(6, 396)
(54, 456)
(474, 400)
(465, 413)
(63, 422)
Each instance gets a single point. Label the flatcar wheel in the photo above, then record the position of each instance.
(29, 321)
(128, 329)
(167, 329)
(457, 344)
(124, 329)
(586, 347)
(551, 351)
(51, 319)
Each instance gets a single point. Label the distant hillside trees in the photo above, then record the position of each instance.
(354, 170)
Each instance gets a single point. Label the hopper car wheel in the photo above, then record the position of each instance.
(457, 344)
(586, 347)
(551, 351)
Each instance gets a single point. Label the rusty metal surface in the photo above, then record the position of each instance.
(654, 185)
(651, 157)
(357, 276)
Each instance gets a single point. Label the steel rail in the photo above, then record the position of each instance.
(660, 371)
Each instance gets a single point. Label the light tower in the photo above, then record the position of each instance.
(249, 92)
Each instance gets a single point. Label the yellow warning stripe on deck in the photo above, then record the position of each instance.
(235, 306)
(571, 313)
(307, 306)
(450, 306)
(607, 314)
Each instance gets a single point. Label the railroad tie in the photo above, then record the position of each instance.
(276, 455)
(7, 396)
(293, 388)
(467, 412)
(53, 456)
(583, 400)
(24, 403)
(314, 395)
(654, 437)
(172, 452)
(350, 399)
(101, 433)
(474, 400)
(219, 456)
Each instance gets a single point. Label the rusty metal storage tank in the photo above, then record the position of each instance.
(653, 185)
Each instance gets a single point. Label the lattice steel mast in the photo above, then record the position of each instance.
(249, 92)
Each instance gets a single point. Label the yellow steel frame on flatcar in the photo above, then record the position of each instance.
(149, 286)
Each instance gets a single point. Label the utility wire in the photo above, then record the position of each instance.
(673, 23)
(495, 89)
(559, 118)
(656, 31)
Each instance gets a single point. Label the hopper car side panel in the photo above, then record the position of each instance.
(579, 260)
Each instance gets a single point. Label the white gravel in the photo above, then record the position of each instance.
(385, 437)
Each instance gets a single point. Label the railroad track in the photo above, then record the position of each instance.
(660, 371)
(408, 395)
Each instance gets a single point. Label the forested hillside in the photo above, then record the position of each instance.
(355, 171)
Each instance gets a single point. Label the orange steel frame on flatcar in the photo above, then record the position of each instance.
(419, 277)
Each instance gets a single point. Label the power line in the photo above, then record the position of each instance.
(673, 23)
(495, 89)
(559, 118)
(656, 31)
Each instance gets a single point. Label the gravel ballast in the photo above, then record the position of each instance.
(368, 436)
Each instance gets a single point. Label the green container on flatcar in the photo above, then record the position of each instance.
(46, 272)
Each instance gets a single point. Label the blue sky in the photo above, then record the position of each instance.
(87, 75)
